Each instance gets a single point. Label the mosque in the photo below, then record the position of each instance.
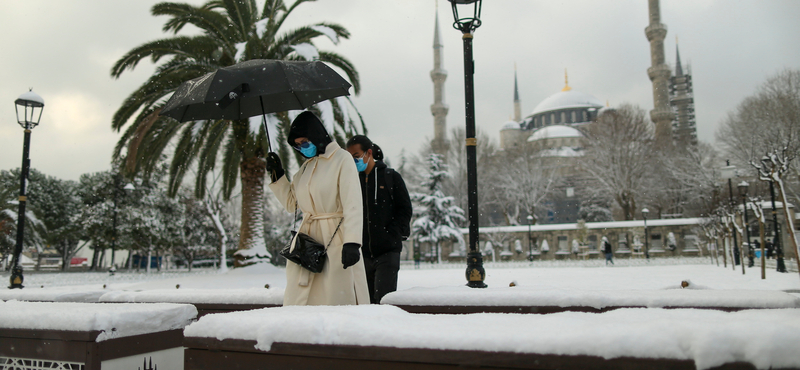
(553, 131)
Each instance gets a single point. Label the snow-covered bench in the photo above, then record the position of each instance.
(381, 337)
(460, 300)
(91, 336)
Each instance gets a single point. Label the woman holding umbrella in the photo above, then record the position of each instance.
(327, 191)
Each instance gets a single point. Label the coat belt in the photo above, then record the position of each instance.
(325, 216)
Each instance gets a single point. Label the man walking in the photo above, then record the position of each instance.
(387, 217)
(607, 251)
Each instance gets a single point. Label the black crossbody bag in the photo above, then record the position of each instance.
(307, 252)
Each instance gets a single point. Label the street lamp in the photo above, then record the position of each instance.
(729, 172)
(466, 24)
(29, 107)
(645, 211)
(743, 192)
(530, 239)
(776, 236)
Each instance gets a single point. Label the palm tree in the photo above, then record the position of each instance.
(232, 31)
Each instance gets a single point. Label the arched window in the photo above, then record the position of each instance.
(553, 118)
(563, 117)
(572, 116)
(585, 116)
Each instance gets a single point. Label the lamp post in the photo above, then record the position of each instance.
(29, 107)
(467, 24)
(530, 239)
(776, 235)
(743, 192)
(645, 211)
(729, 172)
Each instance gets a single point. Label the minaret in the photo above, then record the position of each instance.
(681, 98)
(659, 74)
(517, 107)
(438, 108)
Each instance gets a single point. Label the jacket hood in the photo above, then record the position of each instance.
(307, 125)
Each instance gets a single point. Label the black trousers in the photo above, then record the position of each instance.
(381, 274)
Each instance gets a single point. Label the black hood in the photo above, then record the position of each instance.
(307, 125)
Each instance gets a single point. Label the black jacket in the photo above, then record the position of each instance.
(606, 247)
(387, 214)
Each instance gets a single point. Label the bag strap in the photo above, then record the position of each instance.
(334, 232)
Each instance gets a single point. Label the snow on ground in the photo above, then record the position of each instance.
(659, 274)
(765, 338)
(115, 321)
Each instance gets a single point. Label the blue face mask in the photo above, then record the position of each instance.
(308, 149)
(360, 164)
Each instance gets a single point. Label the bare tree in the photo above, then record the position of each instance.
(772, 168)
(619, 155)
(767, 121)
(694, 172)
(520, 181)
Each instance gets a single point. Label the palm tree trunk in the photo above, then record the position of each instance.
(252, 228)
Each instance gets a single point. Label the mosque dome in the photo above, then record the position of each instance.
(510, 125)
(566, 107)
(554, 132)
(566, 100)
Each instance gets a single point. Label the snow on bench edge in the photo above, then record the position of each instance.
(207, 296)
(526, 297)
(114, 320)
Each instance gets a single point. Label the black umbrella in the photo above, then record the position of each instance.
(254, 87)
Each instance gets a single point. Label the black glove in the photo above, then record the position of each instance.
(274, 166)
(351, 253)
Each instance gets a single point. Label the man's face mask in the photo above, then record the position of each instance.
(361, 166)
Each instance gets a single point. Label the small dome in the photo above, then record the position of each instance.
(555, 131)
(567, 99)
(510, 125)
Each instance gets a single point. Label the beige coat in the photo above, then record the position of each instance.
(326, 188)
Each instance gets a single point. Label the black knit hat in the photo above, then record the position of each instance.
(307, 125)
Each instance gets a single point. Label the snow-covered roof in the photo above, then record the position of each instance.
(567, 99)
(510, 125)
(554, 131)
(590, 225)
(563, 151)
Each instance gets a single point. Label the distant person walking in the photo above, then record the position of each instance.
(387, 215)
(326, 190)
(607, 251)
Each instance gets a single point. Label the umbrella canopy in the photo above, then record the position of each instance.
(254, 87)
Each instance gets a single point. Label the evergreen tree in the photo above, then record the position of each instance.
(437, 217)
(231, 31)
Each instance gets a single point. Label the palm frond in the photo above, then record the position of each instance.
(211, 22)
(345, 65)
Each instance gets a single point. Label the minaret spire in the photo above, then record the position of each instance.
(566, 81)
(659, 74)
(517, 108)
(678, 67)
(438, 108)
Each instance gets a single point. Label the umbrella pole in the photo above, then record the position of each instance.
(266, 129)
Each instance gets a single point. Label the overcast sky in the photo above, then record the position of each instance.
(65, 50)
